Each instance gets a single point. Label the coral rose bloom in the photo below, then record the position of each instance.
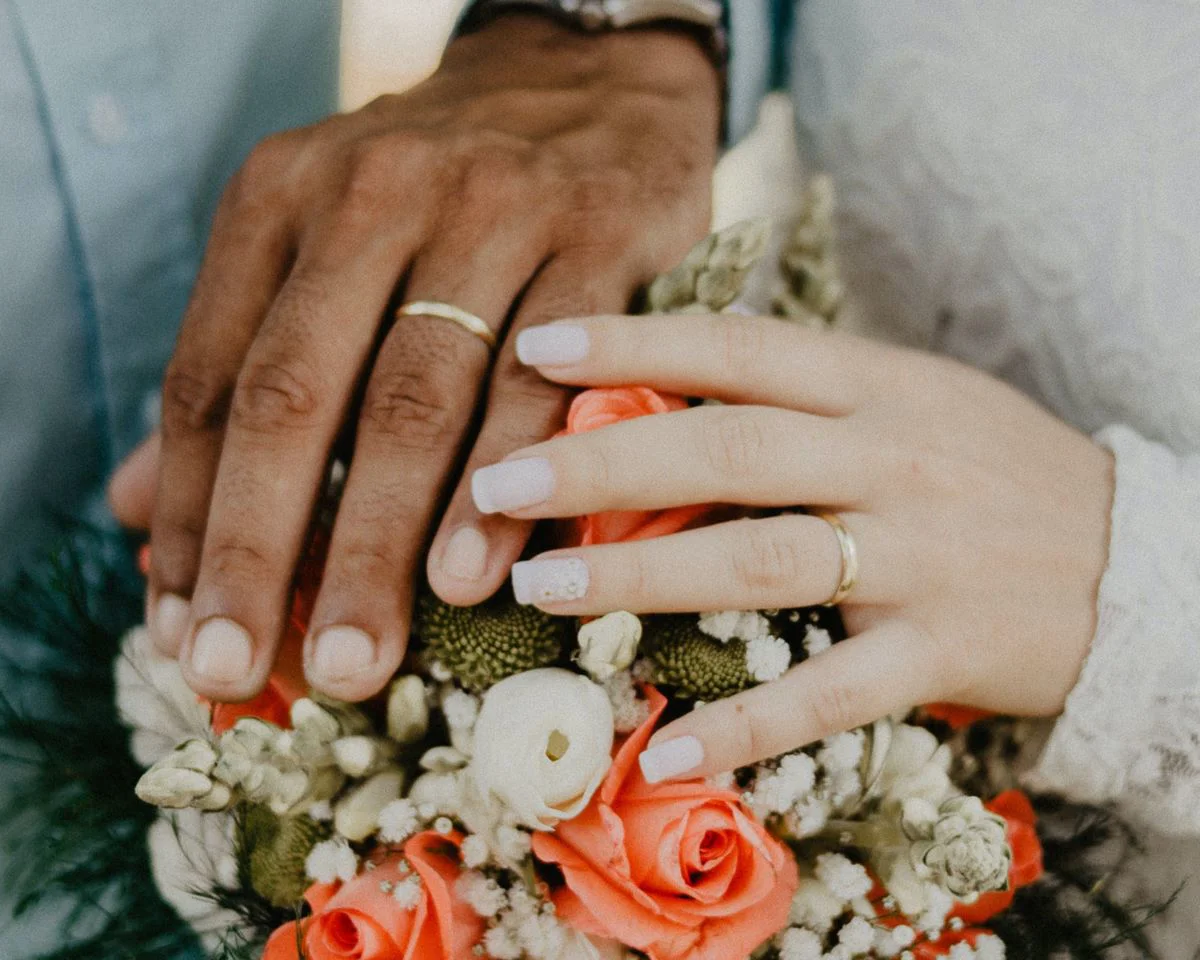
(679, 870)
(360, 921)
(602, 407)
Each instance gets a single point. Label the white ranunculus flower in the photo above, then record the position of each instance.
(915, 767)
(154, 700)
(543, 742)
(608, 644)
(190, 852)
(407, 710)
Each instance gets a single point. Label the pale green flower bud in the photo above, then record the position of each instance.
(361, 756)
(407, 710)
(609, 644)
(964, 849)
(356, 816)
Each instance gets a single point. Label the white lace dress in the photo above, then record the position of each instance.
(1020, 188)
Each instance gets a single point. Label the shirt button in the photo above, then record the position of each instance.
(107, 119)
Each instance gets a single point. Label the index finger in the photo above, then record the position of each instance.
(750, 360)
(885, 669)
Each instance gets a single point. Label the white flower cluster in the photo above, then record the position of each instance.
(810, 788)
(885, 790)
(767, 656)
(287, 770)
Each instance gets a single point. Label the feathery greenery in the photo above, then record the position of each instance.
(74, 844)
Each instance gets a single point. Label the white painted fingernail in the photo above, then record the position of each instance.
(555, 345)
(172, 614)
(672, 758)
(341, 652)
(512, 485)
(465, 557)
(222, 651)
(549, 581)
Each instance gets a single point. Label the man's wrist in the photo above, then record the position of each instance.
(659, 57)
(703, 19)
(642, 55)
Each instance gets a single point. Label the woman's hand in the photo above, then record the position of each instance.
(981, 522)
(539, 173)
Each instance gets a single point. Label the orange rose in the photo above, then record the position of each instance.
(602, 407)
(679, 870)
(361, 920)
(956, 716)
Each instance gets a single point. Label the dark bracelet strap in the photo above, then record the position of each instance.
(702, 18)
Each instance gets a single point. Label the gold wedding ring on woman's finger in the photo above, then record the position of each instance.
(448, 311)
(849, 570)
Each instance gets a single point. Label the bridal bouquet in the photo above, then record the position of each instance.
(490, 802)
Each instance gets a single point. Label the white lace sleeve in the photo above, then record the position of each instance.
(1130, 733)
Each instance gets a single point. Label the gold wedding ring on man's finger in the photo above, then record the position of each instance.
(448, 311)
(848, 575)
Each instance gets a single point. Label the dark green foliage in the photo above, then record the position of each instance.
(1072, 911)
(73, 830)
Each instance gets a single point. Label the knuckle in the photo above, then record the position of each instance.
(831, 706)
(193, 400)
(237, 561)
(372, 174)
(179, 532)
(410, 408)
(600, 217)
(264, 171)
(275, 396)
(767, 558)
(734, 444)
(365, 565)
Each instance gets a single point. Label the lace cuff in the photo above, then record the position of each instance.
(1130, 733)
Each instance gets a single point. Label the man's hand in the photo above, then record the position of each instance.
(539, 173)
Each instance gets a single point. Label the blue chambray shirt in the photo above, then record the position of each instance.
(120, 121)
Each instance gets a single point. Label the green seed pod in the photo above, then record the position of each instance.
(482, 645)
(272, 851)
(712, 274)
(690, 661)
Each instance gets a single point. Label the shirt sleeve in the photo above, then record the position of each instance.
(1130, 734)
(756, 41)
